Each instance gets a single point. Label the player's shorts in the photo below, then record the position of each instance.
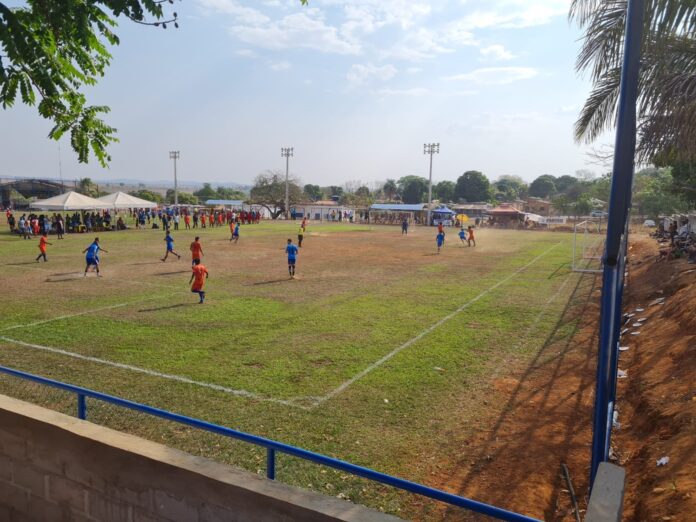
(439, 242)
(92, 261)
(196, 259)
(195, 289)
(170, 248)
(291, 260)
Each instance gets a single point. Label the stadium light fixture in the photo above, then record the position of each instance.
(174, 155)
(287, 153)
(430, 149)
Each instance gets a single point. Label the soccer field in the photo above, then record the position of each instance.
(380, 352)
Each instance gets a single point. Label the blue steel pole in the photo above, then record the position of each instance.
(81, 406)
(619, 203)
(270, 463)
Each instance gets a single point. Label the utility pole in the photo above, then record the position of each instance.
(174, 154)
(60, 171)
(287, 152)
(430, 148)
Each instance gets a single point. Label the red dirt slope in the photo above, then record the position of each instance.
(657, 402)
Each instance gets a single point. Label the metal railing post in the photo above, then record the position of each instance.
(81, 406)
(619, 203)
(270, 463)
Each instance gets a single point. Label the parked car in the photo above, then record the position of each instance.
(649, 223)
(599, 214)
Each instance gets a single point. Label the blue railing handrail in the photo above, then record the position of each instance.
(273, 446)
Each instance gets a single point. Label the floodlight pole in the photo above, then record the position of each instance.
(287, 152)
(430, 148)
(174, 154)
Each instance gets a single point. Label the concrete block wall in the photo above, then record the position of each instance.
(59, 468)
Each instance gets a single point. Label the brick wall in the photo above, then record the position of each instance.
(58, 468)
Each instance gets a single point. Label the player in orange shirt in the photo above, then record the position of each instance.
(42, 246)
(196, 251)
(198, 277)
(203, 218)
(471, 239)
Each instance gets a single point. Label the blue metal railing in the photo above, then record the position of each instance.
(617, 237)
(273, 447)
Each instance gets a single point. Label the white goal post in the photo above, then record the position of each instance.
(588, 247)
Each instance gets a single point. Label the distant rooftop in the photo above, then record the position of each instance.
(225, 202)
(398, 207)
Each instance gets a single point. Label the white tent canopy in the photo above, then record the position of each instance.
(69, 201)
(123, 200)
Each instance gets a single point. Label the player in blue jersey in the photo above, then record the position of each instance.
(292, 252)
(170, 247)
(440, 239)
(92, 257)
(462, 236)
(235, 232)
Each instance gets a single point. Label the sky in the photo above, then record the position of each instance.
(356, 88)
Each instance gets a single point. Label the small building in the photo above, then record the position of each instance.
(395, 213)
(322, 210)
(506, 216)
(539, 206)
(473, 210)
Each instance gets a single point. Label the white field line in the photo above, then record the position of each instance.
(152, 373)
(320, 400)
(77, 314)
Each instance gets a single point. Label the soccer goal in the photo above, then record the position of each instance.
(588, 247)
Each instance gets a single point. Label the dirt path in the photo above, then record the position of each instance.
(543, 417)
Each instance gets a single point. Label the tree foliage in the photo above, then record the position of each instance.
(269, 192)
(313, 192)
(51, 50)
(667, 83)
(543, 187)
(472, 186)
(89, 188)
(185, 198)
(390, 190)
(147, 195)
(444, 191)
(413, 189)
(508, 188)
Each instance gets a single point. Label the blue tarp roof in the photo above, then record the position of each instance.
(442, 210)
(398, 207)
(227, 202)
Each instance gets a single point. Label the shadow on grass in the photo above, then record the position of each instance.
(75, 277)
(558, 272)
(547, 371)
(168, 307)
(28, 263)
(148, 263)
(174, 273)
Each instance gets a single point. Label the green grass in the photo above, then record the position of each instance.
(362, 292)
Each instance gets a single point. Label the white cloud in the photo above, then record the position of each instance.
(496, 52)
(246, 53)
(242, 14)
(496, 75)
(417, 46)
(415, 91)
(281, 66)
(360, 74)
(413, 70)
(306, 29)
(515, 14)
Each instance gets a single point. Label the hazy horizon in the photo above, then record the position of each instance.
(355, 88)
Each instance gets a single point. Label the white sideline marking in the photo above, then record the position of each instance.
(77, 314)
(186, 380)
(320, 400)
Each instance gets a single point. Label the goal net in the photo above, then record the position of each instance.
(588, 247)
